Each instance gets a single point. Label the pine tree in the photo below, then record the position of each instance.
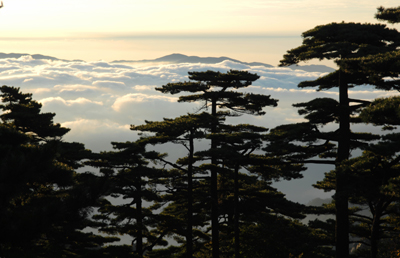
(376, 171)
(342, 41)
(42, 209)
(182, 179)
(383, 71)
(245, 192)
(216, 90)
(131, 182)
(237, 147)
(391, 15)
(235, 153)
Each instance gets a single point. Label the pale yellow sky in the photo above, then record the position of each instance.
(49, 18)
(134, 28)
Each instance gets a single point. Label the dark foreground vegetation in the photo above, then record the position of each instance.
(217, 199)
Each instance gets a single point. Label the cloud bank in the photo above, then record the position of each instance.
(103, 99)
(100, 100)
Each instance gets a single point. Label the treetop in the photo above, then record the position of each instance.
(231, 79)
(177, 126)
(391, 15)
(203, 81)
(204, 85)
(343, 40)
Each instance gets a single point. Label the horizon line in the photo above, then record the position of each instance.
(166, 36)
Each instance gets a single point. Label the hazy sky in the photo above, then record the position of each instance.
(82, 18)
(252, 30)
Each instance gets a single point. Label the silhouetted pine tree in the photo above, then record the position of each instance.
(372, 180)
(243, 199)
(42, 205)
(131, 182)
(219, 91)
(182, 183)
(339, 42)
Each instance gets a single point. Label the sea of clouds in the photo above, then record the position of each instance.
(100, 100)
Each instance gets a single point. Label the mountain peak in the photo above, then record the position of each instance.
(180, 58)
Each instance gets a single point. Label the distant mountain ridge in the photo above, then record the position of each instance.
(34, 56)
(180, 58)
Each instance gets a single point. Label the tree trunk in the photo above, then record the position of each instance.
(139, 241)
(214, 190)
(236, 207)
(375, 229)
(189, 236)
(341, 199)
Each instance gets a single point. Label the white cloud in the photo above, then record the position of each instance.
(100, 100)
(98, 134)
(79, 101)
(125, 94)
(82, 126)
(144, 87)
(28, 80)
(74, 87)
(73, 109)
(115, 85)
(139, 98)
(135, 108)
(40, 90)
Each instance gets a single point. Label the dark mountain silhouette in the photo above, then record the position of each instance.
(35, 56)
(179, 58)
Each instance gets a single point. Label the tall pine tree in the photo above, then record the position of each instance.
(131, 183)
(182, 180)
(341, 41)
(219, 91)
(43, 205)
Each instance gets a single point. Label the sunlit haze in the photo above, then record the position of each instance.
(251, 30)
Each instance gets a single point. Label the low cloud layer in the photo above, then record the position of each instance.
(100, 100)
(113, 96)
